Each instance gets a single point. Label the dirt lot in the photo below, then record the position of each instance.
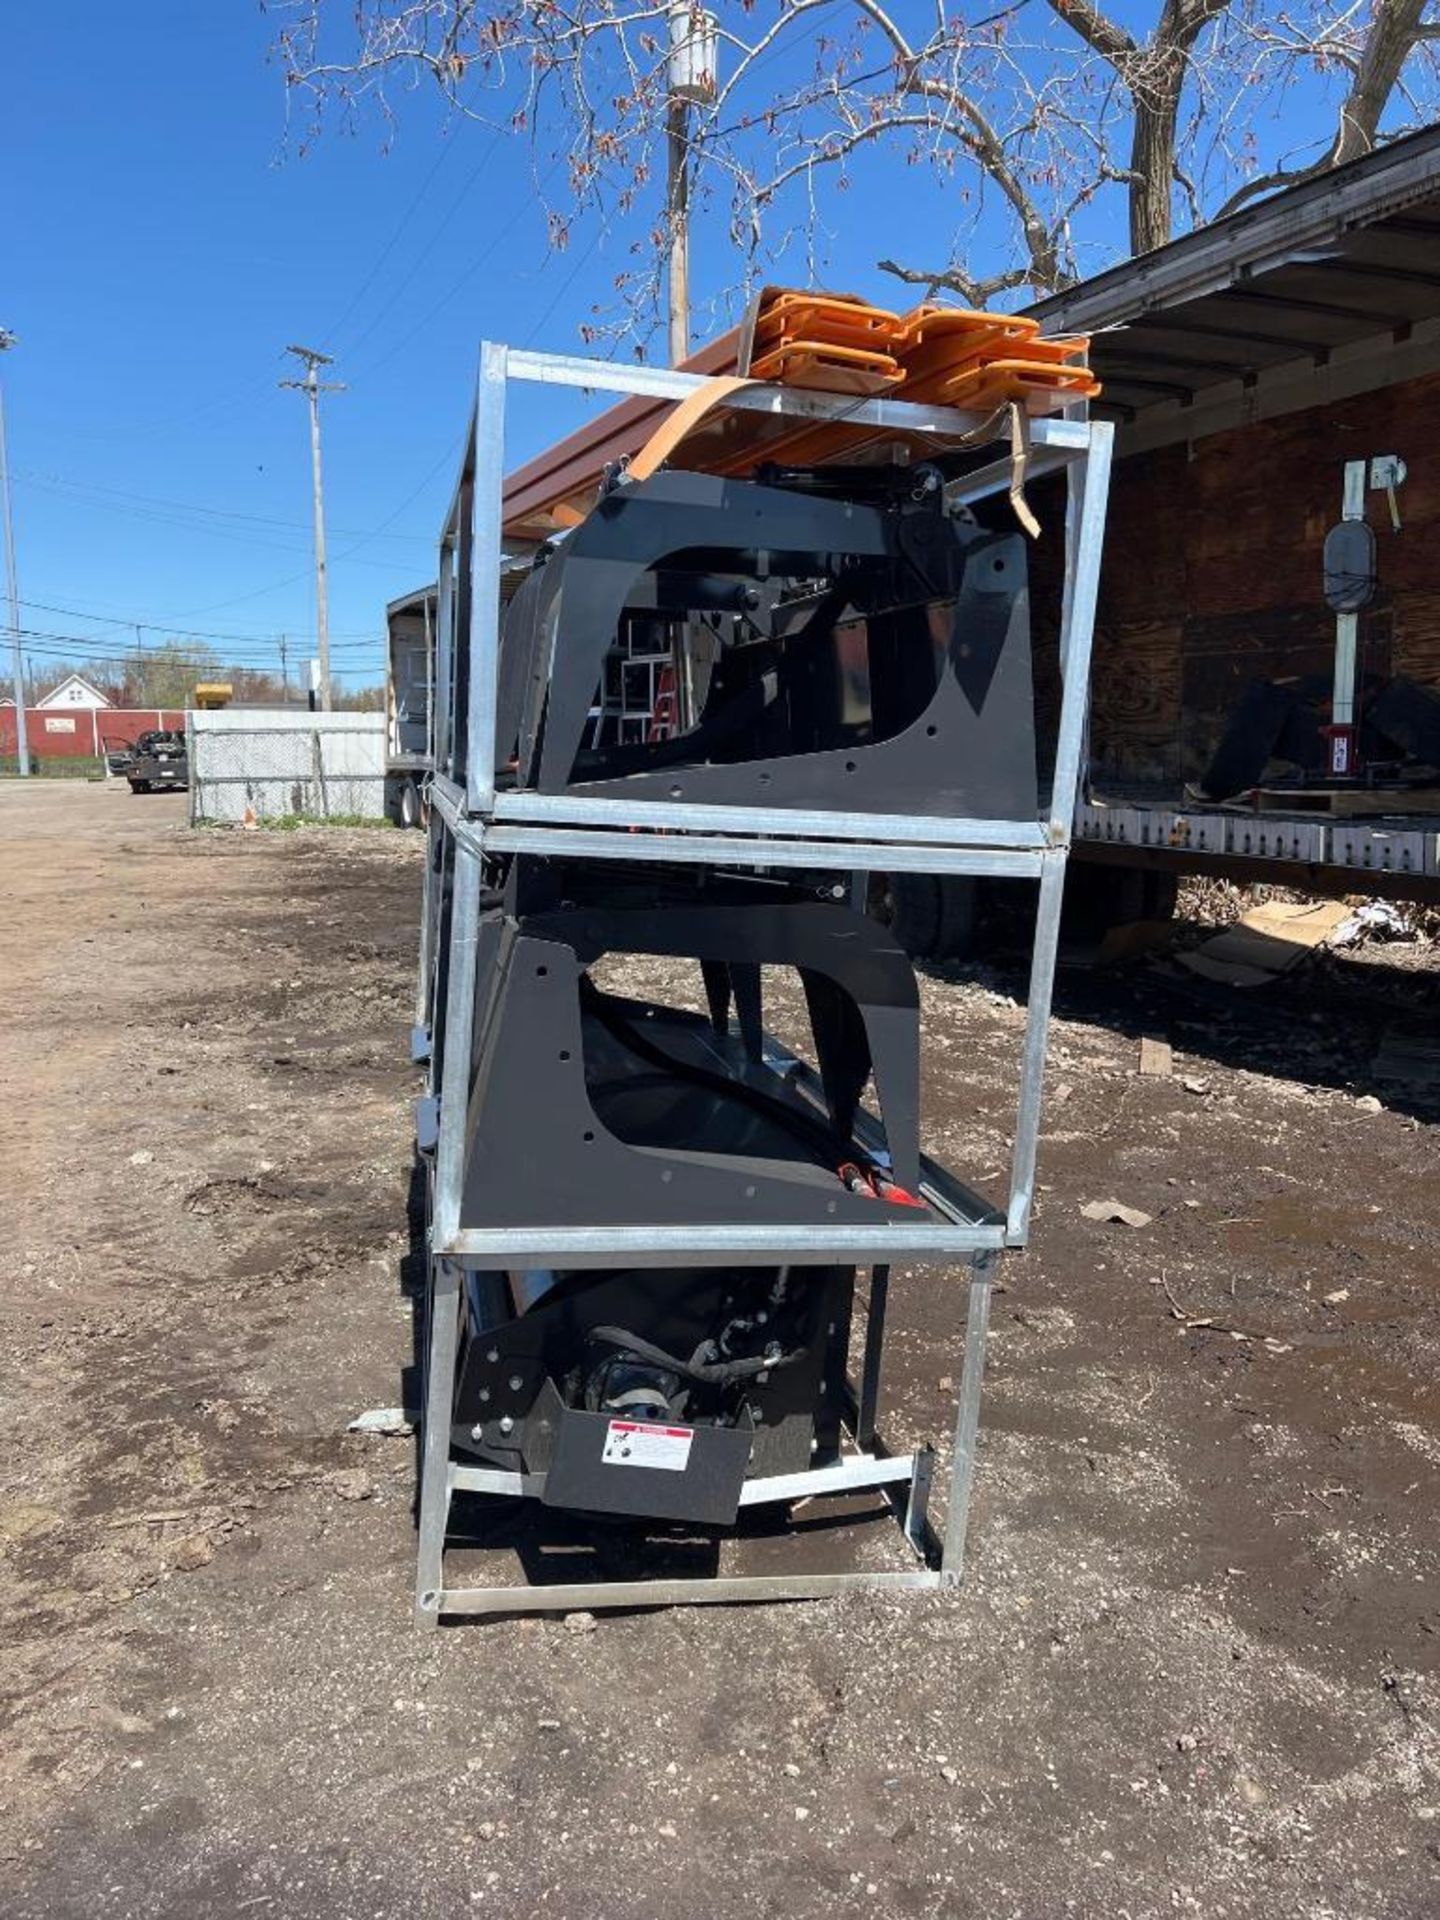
(1193, 1669)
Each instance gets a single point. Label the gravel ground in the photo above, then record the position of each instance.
(1193, 1666)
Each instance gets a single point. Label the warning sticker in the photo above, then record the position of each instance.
(638, 1443)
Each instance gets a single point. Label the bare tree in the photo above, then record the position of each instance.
(166, 676)
(1041, 107)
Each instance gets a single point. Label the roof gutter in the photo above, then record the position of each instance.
(1254, 241)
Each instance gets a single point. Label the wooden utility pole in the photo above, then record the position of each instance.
(312, 386)
(690, 79)
(677, 132)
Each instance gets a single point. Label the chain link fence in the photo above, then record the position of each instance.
(324, 766)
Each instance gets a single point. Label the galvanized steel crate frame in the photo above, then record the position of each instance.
(469, 819)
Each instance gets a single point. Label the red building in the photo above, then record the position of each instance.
(76, 721)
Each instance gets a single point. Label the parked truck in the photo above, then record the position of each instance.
(159, 761)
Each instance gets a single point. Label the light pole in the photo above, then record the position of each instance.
(689, 80)
(12, 589)
(313, 387)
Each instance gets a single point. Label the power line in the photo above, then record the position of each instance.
(522, 208)
(389, 246)
(565, 287)
(234, 535)
(43, 645)
(63, 482)
(406, 280)
(214, 408)
(166, 626)
(168, 646)
(346, 554)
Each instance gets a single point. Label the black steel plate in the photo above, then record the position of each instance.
(649, 1472)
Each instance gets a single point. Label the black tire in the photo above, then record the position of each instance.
(1099, 896)
(411, 810)
(1162, 891)
(931, 915)
(139, 786)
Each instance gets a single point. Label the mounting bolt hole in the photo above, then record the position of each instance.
(676, 792)
(564, 1053)
(849, 766)
(540, 972)
(997, 566)
(589, 1134)
(932, 731)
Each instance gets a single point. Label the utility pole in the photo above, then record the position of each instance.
(312, 386)
(690, 80)
(12, 589)
(284, 671)
(677, 135)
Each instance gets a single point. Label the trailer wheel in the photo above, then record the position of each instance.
(139, 786)
(412, 809)
(932, 915)
(1099, 897)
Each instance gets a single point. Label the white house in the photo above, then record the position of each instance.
(74, 693)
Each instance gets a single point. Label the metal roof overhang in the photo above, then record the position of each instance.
(415, 602)
(1343, 267)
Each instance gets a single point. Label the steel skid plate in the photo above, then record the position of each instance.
(589, 1109)
(864, 656)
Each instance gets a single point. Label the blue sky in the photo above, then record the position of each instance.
(162, 247)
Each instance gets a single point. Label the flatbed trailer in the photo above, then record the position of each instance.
(1394, 856)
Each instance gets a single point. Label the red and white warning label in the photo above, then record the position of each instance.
(639, 1443)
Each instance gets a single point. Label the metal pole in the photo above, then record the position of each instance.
(312, 387)
(677, 148)
(962, 1478)
(12, 588)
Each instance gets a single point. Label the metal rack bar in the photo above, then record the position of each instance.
(470, 821)
(967, 1422)
(459, 1023)
(721, 1590)
(859, 1474)
(485, 605)
(1032, 1059)
(868, 1400)
(800, 403)
(554, 809)
(772, 850)
(711, 1246)
(724, 851)
(442, 1345)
